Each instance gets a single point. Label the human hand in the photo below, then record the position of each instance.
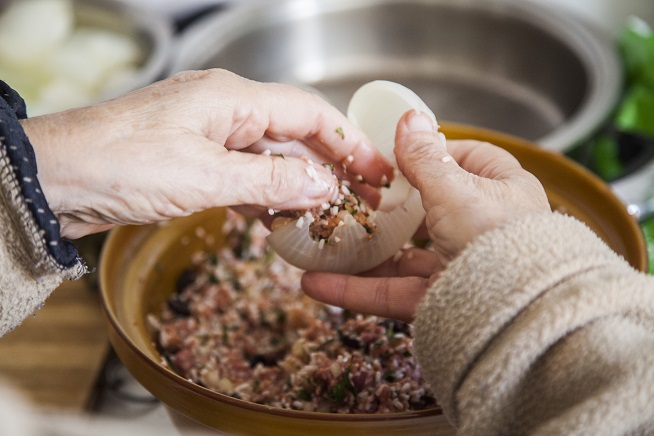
(177, 146)
(468, 188)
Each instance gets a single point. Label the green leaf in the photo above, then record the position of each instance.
(636, 112)
(636, 43)
(343, 387)
(605, 157)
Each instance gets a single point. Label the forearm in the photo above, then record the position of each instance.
(519, 335)
(34, 258)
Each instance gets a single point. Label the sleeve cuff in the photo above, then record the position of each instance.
(18, 175)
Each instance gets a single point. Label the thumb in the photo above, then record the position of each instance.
(422, 156)
(274, 182)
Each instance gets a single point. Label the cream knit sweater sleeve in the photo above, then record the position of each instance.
(539, 328)
(34, 258)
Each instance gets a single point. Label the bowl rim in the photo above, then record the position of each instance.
(593, 46)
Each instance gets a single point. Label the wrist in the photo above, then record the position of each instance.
(22, 192)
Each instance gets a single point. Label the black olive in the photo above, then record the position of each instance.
(185, 279)
(349, 341)
(179, 306)
(267, 359)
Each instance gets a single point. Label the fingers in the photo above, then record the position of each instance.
(409, 262)
(271, 181)
(423, 158)
(291, 113)
(299, 149)
(443, 172)
(395, 298)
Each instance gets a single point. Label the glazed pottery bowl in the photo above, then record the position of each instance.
(140, 266)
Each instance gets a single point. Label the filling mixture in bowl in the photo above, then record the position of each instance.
(240, 325)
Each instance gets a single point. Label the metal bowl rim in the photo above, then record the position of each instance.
(593, 47)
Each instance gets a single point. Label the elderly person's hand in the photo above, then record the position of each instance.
(194, 141)
(468, 188)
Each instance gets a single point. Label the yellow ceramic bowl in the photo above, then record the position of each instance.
(139, 267)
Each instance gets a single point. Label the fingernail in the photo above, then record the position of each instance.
(420, 122)
(322, 183)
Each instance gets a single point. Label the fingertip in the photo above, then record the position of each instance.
(419, 122)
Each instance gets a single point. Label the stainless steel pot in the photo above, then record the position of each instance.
(512, 66)
(151, 32)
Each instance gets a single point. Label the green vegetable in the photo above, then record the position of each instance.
(636, 112)
(340, 132)
(636, 44)
(303, 395)
(605, 159)
(343, 387)
(648, 231)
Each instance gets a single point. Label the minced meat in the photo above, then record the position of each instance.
(240, 325)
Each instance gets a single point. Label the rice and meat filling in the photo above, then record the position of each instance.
(240, 325)
(328, 217)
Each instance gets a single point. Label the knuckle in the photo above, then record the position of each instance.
(381, 296)
(277, 183)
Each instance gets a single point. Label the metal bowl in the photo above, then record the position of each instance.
(152, 33)
(140, 267)
(512, 66)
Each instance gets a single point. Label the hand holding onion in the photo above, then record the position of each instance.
(350, 236)
(467, 189)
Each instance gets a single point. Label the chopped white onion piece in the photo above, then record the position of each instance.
(376, 108)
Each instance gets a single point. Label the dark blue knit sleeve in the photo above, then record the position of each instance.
(17, 147)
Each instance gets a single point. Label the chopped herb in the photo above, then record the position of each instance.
(390, 330)
(340, 132)
(341, 389)
(281, 317)
(280, 155)
(269, 257)
(304, 395)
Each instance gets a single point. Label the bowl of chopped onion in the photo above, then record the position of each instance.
(60, 54)
(213, 323)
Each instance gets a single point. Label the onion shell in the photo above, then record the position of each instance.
(357, 251)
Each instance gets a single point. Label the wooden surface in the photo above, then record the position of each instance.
(56, 356)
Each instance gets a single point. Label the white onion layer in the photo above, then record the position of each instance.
(376, 108)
